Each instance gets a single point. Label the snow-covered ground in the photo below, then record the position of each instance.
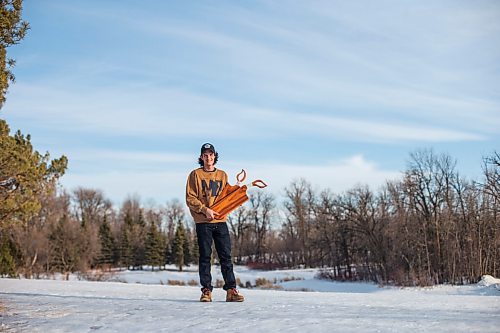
(146, 303)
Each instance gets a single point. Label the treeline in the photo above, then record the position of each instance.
(81, 231)
(429, 227)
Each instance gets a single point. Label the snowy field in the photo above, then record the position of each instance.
(146, 303)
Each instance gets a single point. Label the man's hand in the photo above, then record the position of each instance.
(211, 214)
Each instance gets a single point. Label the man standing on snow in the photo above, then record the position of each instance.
(203, 186)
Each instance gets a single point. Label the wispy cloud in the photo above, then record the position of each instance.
(157, 111)
(337, 175)
(169, 183)
(386, 66)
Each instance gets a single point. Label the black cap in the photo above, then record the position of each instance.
(208, 146)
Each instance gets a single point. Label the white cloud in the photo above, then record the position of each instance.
(396, 62)
(339, 175)
(169, 183)
(364, 130)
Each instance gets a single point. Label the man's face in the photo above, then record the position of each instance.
(208, 158)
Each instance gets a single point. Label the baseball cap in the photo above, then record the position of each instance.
(207, 146)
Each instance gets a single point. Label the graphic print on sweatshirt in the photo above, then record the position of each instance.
(212, 189)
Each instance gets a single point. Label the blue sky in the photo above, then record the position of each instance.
(336, 92)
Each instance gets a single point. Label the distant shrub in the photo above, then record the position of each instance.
(291, 278)
(270, 286)
(176, 283)
(192, 283)
(262, 282)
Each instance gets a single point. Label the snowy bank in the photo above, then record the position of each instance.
(295, 280)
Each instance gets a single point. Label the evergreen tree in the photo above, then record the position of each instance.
(154, 246)
(64, 245)
(178, 246)
(107, 244)
(30, 174)
(127, 220)
(188, 258)
(168, 253)
(7, 263)
(195, 252)
(138, 247)
(164, 248)
(125, 248)
(133, 247)
(141, 221)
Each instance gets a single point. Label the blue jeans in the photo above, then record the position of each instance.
(219, 234)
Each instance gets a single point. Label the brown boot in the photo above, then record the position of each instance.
(234, 296)
(206, 295)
